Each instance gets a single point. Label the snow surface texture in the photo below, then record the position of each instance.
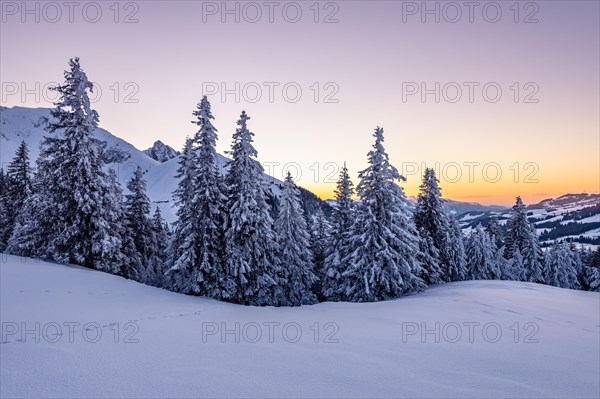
(367, 351)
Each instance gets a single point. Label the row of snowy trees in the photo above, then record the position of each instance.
(226, 243)
(227, 246)
(518, 256)
(486, 254)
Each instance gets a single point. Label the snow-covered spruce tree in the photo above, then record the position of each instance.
(503, 265)
(294, 247)
(4, 218)
(208, 275)
(513, 267)
(18, 175)
(198, 244)
(2, 182)
(560, 268)
(593, 259)
(384, 263)
(250, 246)
(17, 187)
(182, 253)
(521, 236)
(518, 229)
(495, 232)
(33, 224)
(578, 254)
(455, 252)
(137, 222)
(76, 185)
(340, 248)
(533, 260)
(157, 262)
(319, 229)
(432, 223)
(429, 212)
(429, 258)
(591, 267)
(118, 240)
(481, 263)
(592, 278)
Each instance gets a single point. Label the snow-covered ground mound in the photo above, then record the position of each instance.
(468, 339)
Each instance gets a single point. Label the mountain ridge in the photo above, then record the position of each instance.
(570, 217)
(161, 152)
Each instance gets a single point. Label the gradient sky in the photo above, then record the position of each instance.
(369, 54)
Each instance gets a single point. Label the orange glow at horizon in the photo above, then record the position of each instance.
(501, 194)
(326, 193)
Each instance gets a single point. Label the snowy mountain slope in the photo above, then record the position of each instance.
(28, 124)
(162, 183)
(567, 202)
(173, 346)
(19, 123)
(571, 216)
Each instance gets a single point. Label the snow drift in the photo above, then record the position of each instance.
(123, 339)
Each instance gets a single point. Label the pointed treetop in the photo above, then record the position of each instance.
(378, 134)
(344, 187)
(243, 118)
(74, 97)
(242, 139)
(138, 172)
(519, 202)
(378, 146)
(430, 177)
(77, 76)
(23, 149)
(204, 114)
(188, 144)
(429, 187)
(19, 167)
(378, 156)
(289, 179)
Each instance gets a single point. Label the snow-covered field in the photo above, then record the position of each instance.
(514, 340)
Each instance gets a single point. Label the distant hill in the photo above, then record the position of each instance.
(571, 217)
(458, 208)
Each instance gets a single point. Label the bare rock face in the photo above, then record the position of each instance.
(161, 152)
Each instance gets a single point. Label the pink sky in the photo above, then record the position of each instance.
(365, 65)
